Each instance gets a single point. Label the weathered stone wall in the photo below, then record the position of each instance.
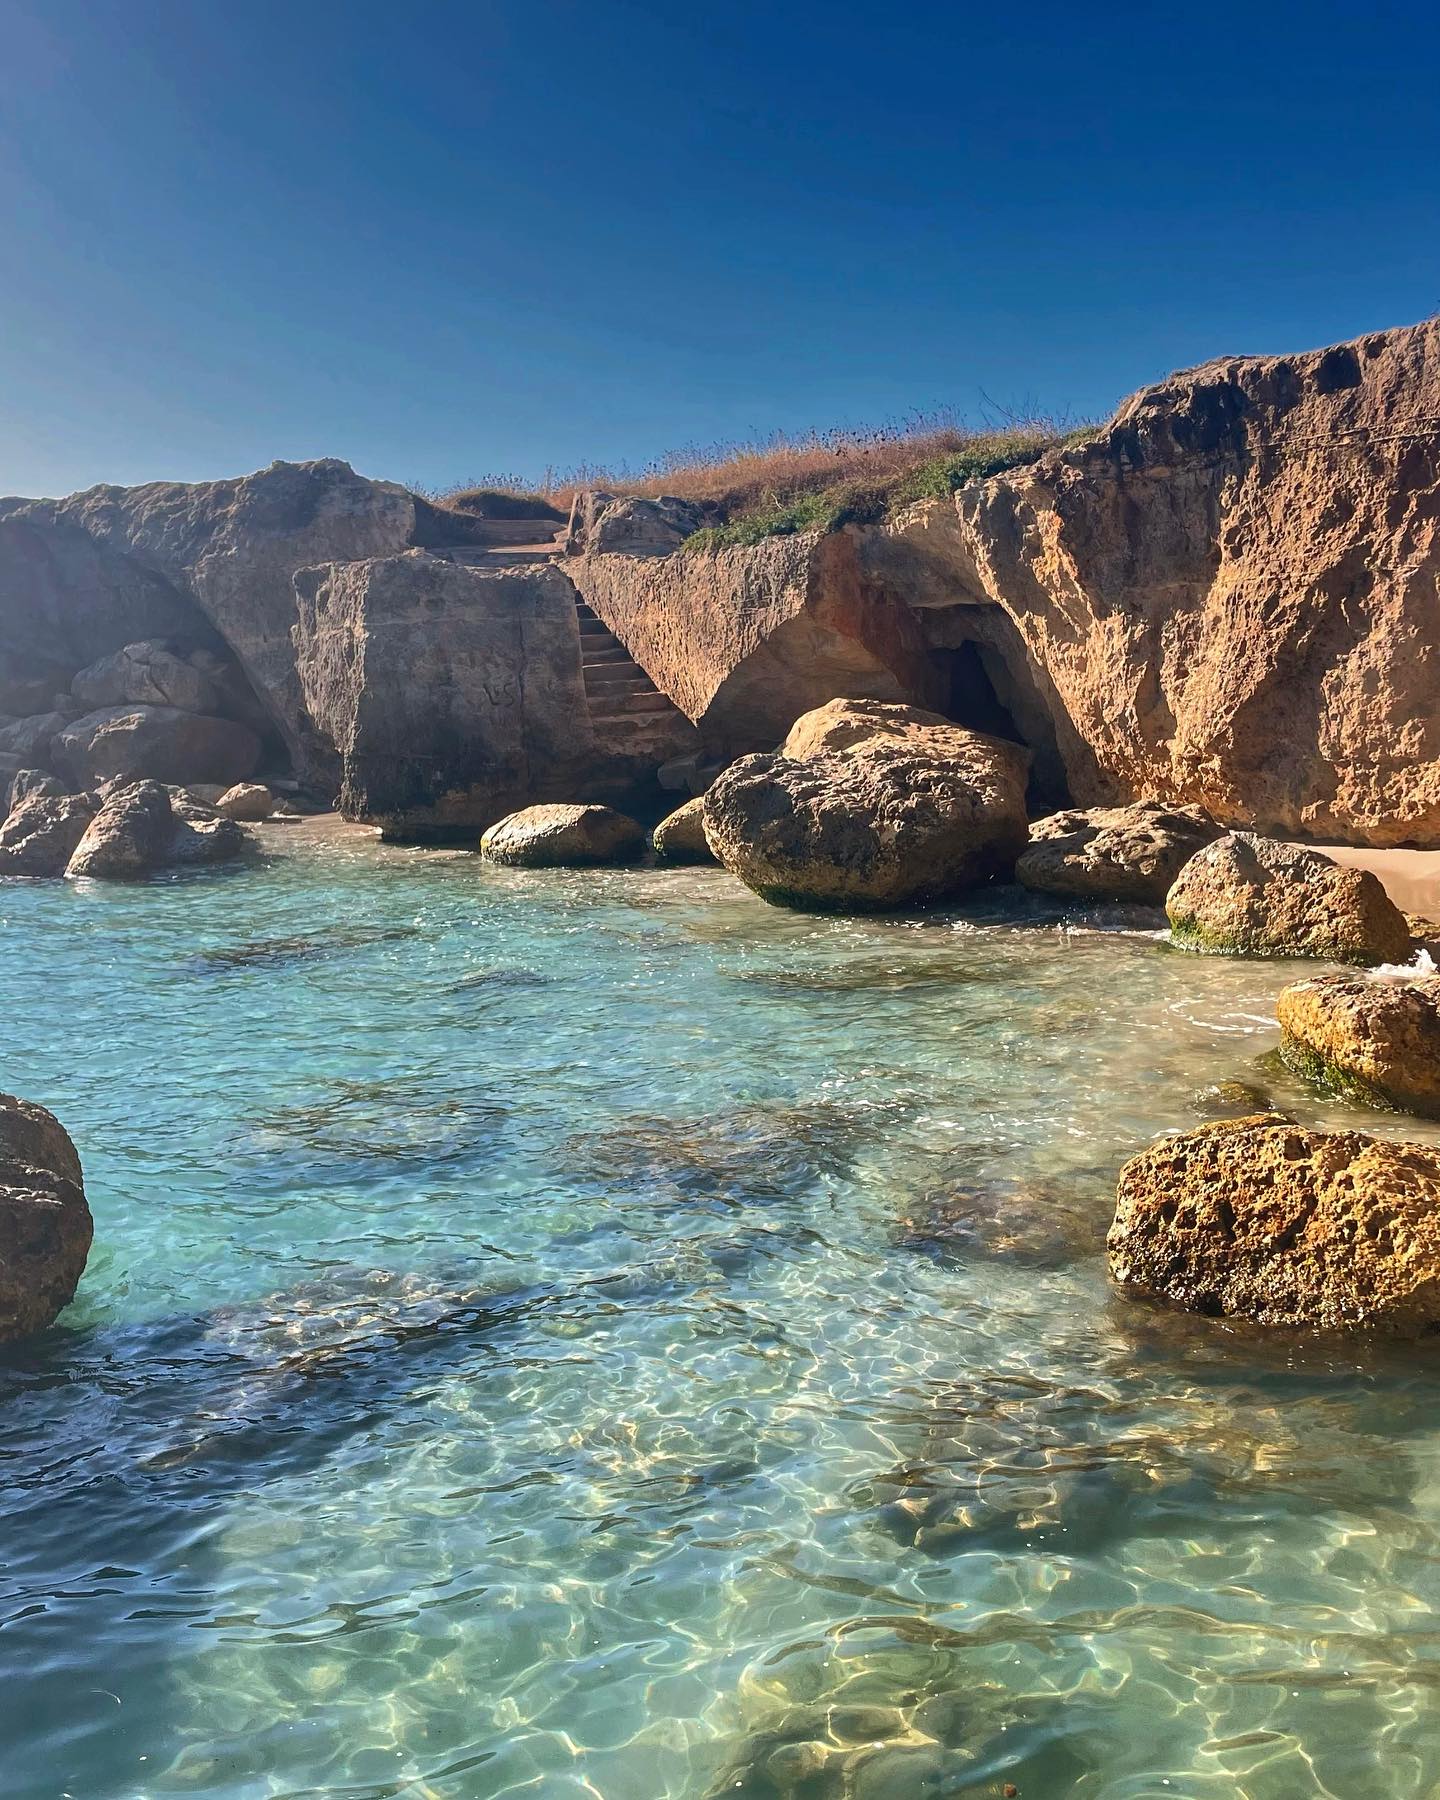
(744, 640)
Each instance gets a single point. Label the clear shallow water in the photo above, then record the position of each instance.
(596, 1335)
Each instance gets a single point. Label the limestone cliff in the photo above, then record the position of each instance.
(1230, 597)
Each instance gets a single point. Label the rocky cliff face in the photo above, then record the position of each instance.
(1231, 596)
(455, 695)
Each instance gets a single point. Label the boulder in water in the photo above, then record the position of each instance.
(43, 832)
(45, 1223)
(1258, 1219)
(680, 838)
(1376, 1040)
(139, 829)
(1246, 895)
(541, 837)
(1129, 853)
(870, 805)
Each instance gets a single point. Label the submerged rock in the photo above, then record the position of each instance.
(680, 838)
(1115, 853)
(1259, 1219)
(43, 832)
(139, 830)
(1255, 896)
(1377, 1040)
(869, 806)
(45, 1223)
(542, 837)
(249, 801)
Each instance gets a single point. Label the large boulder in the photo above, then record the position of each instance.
(145, 674)
(1258, 1219)
(1376, 1040)
(544, 837)
(24, 784)
(43, 832)
(45, 1223)
(33, 737)
(1131, 853)
(680, 837)
(156, 743)
(139, 830)
(870, 806)
(630, 524)
(250, 801)
(1245, 895)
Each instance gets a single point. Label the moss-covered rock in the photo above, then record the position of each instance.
(1246, 895)
(1378, 1041)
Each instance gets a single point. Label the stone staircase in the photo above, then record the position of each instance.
(617, 689)
(625, 706)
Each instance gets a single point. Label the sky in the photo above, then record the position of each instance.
(451, 241)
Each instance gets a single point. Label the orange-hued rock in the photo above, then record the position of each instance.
(556, 837)
(680, 837)
(1115, 853)
(45, 1223)
(1258, 1219)
(1376, 1040)
(1231, 594)
(883, 806)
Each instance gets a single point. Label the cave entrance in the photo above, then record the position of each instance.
(986, 685)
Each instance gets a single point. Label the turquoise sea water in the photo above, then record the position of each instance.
(571, 1334)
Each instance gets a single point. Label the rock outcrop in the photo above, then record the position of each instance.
(744, 640)
(1245, 895)
(455, 695)
(43, 832)
(146, 674)
(155, 743)
(1230, 596)
(210, 564)
(1375, 1040)
(1259, 1219)
(629, 525)
(1131, 853)
(904, 808)
(45, 1223)
(563, 837)
(680, 836)
(140, 829)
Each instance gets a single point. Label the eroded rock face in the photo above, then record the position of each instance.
(545, 837)
(455, 695)
(209, 560)
(1230, 593)
(42, 834)
(1252, 896)
(45, 1223)
(680, 838)
(1259, 1219)
(25, 784)
(1131, 853)
(908, 809)
(1376, 1040)
(249, 801)
(139, 830)
(155, 743)
(629, 525)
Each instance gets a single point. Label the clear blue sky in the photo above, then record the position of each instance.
(443, 240)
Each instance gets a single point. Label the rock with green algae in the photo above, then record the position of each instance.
(552, 836)
(1376, 1040)
(1246, 895)
(1259, 1219)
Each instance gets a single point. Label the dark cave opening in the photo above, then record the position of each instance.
(980, 686)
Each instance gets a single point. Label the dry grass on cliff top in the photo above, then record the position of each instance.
(784, 483)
